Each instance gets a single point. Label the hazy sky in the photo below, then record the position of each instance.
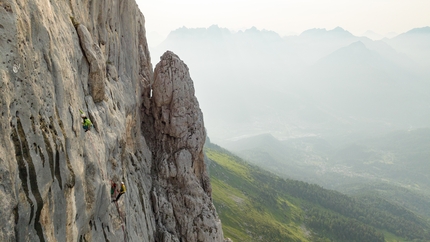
(287, 16)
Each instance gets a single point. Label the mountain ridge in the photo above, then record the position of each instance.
(275, 70)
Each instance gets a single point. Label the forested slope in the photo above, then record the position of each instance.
(255, 205)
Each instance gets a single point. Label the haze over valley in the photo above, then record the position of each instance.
(346, 112)
(323, 83)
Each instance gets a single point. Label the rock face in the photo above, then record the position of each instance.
(96, 62)
(58, 57)
(182, 191)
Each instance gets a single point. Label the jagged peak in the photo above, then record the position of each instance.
(338, 31)
(213, 31)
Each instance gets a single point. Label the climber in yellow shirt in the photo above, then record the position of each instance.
(121, 191)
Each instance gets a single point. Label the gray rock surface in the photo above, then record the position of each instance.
(183, 199)
(57, 57)
(96, 62)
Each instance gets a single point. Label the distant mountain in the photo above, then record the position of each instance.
(221, 48)
(391, 35)
(314, 44)
(377, 36)
(255, 205)
(322, 82)
(419, 31)
(372, 35)
(240, 71)
(337, 32)
(366, 88)
(414, 43)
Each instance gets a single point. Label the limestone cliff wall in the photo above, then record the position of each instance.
(57, 57)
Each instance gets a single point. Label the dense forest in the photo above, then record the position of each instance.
(258, 205)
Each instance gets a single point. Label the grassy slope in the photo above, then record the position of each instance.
(257, 206)
(242, 208)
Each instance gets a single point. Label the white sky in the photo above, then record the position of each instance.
(287, 16)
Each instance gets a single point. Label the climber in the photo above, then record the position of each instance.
(86, 122)
(121, 191)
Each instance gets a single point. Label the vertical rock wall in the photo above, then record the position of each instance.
(57, 57)
(55, 178)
